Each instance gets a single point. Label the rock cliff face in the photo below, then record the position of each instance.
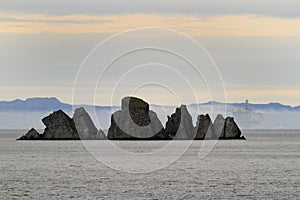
(204, 128)
(180, 125)
(232, 131)
(85, 126)
(227, 128)
(219, 124)
(32, 134)
(59, 126)
(135, 121)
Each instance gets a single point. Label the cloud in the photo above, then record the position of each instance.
(39, 58)
(277, 8)
(51, 21)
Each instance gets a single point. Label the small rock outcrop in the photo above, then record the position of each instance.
(32, 134)
(219, 125)
(135, 121)
(204, 128)
(85, 126)
(232, 130)
(227, 128)
(59, 126)
(180, 125)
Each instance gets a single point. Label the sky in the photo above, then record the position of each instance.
(254, 45)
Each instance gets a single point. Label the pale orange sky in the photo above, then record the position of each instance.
(226, 25)
(40, 39)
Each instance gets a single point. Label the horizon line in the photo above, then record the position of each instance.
(206, 102)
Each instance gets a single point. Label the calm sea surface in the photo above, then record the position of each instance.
(266, 166)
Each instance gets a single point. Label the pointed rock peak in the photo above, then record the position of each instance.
(59, 126)
(32, 130)
(55, 114)
(232, 130)
(79, 111)
(183, 107)
(231, 119)
(32, 134)
(85, 126)
(184, 110)
(207, 116)
(204, 128)
(219, 126)
(219, 117)
(180, 124)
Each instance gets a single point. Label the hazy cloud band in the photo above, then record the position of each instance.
(277, 8)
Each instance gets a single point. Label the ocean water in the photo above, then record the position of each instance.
(265, 166)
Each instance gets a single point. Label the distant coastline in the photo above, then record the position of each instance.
(53, 103)
(23, 114)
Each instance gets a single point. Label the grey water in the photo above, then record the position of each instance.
(265, 166)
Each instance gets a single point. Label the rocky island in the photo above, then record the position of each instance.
(59, 126)
(135, 121)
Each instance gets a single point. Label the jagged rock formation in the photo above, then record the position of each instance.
(227, 128)
(85, 126)
(220, 129)
(204, 128)
(59, 126)
(219, 124)
(180, 125)
(135, 121)
(232, 130)
(32, 134)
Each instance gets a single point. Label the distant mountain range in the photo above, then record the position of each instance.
(41, 104)
(255, 107)
(19, 114)
(51, 104)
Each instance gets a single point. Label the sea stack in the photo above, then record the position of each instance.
(135, 121)
(219, 126)
(232, 130)
(227, 128)
(59, 126)
(32, 134)
(85, 126)
(180, 125)
(204, 128)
